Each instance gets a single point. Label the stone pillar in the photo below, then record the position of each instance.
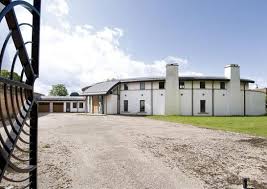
(51, 107)
(172, 105)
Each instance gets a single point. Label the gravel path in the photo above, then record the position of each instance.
(83, 151)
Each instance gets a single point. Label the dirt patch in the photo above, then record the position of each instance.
(219, 166)
(257, 142)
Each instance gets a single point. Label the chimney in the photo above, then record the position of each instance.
(232, 72)
(172, 90)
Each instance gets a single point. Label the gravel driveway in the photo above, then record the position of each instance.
(83, 151)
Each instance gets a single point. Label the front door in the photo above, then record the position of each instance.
(95, 104)
(68, 107)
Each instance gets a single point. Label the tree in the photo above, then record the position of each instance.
(6, 74)
(58, 90)
(74, 94)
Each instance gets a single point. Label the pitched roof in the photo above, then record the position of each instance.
(183, 78)
(100, 88)
(104, 87)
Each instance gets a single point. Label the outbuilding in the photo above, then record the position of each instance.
(61, 104)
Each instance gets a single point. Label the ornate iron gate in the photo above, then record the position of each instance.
(18, 108)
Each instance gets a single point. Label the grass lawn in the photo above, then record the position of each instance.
(249, 125)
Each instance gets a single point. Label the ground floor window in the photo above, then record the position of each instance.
(125, 105)
(74, 105)
(142, 106)
(81, 105)
(202, 106)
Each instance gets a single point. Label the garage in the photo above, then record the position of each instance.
(43, 107)
(58, 107)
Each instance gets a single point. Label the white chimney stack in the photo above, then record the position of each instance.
(172, 90)
(232, 72)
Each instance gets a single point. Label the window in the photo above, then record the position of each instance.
(181, 85)
(142, 106)
(142, 86)
(74, 105)
(125, 86)
(202, 85)
(202, 106)
(161, 85)
(222, 85)
(80, 105)
(125, 105)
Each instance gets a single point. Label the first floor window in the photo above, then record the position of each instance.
(125, 105)
(81, 105)
(142, 86)
(222, 85)
(125, 86)
(161, 85)
(202, 106)
(181, 85)
(202, 85)
(142, 106)
(74, 105)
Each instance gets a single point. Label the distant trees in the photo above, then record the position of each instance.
(6, 74)
(58, 90)
(74, 94)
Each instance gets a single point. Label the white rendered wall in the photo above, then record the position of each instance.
(111, 104)
(158, 101)
(198, 95)
(186, 101)
(221, 103)
(172, 106)
(255, 103)
(77, 109)
(51, 106)
(134, 95)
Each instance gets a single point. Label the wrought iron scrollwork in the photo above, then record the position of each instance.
(18, 108)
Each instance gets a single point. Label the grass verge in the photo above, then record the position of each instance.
(250, 125)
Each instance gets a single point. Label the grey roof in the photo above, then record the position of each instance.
(100, 88)
(61, 98)
(103, 88)
(184, 78)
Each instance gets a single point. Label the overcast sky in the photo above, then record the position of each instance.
(86, 41)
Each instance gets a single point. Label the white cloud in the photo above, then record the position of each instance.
(57, 7)
(78, 55)
(259, 83)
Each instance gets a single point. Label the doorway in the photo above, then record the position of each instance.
(68, 107)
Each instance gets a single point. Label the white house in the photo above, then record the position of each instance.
(175, 95)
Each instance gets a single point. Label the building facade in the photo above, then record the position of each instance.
(177, 95)
(61, 104)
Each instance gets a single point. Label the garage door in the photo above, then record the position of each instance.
(58, 107)
(43, 107)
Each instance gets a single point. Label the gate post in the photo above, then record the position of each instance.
(33, 144)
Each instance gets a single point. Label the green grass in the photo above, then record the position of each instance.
(250, 125)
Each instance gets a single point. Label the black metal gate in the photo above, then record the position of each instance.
(18, 108)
